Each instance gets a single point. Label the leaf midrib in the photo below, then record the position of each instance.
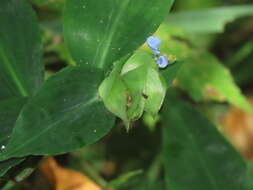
(201, 157)
(13, 151)
(9, 67)
(110, 32)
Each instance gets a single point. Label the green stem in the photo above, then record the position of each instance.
(155, 168)
(91, 172)
(241, 54)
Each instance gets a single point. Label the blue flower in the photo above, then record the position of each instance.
(162, 62)
(154, 43)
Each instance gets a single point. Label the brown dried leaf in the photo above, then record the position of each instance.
(238, 126)
(65, 179)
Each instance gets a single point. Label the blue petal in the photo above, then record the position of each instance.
(162, 62)
(154, 43)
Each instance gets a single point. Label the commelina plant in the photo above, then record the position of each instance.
(114, 76)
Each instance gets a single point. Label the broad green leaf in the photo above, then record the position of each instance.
(99, 33)
(196, 4)
(208, 20)
(196, 155)
(21, 69)
(204, 77)
(9, 111)
(65, 114)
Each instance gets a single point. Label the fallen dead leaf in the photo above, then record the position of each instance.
(238, 126)
(65, 179)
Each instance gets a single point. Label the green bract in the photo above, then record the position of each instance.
(134, 88)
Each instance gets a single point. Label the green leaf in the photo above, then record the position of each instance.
(249, 183)
(174, 42)
(64, 115)
(9, 111)
(196, 4)
(21, 68)
(204, 77)
(196, 155)
(171, 72)
(99, 33)
(208, 20)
